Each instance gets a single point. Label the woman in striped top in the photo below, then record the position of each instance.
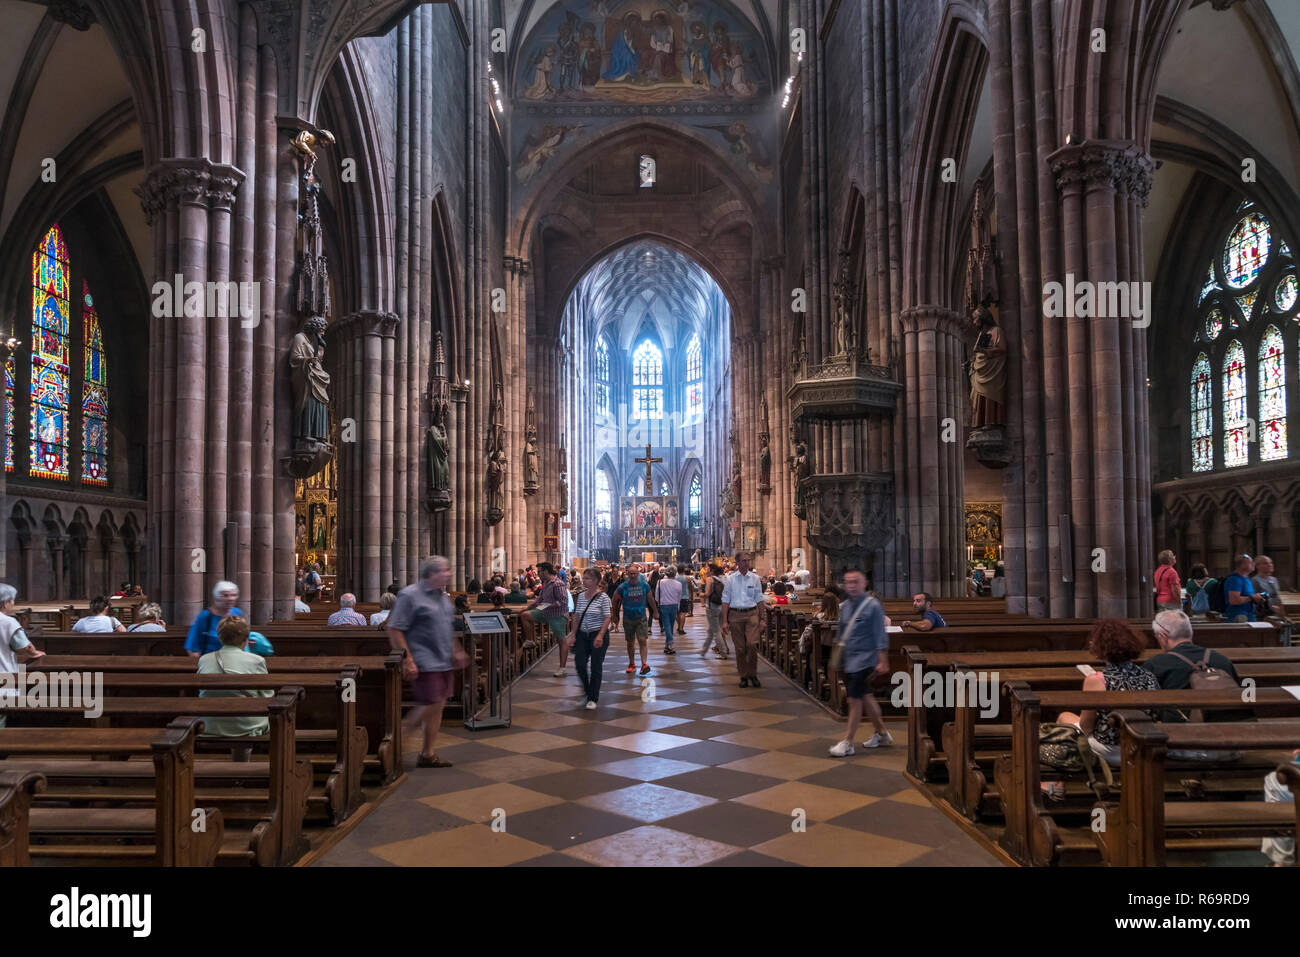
(589, 635)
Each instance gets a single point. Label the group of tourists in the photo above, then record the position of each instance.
(1250, 592)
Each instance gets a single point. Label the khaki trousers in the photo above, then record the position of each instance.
(746, 626)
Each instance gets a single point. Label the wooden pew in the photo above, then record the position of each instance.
(276, 839)
(962, 737)
(378, 701)
(925, 726)
(1141, 825)
(161, 836)
(17, 790)
(1031, 834)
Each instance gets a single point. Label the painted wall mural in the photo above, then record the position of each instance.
(640, 52)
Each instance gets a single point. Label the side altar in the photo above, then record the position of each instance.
(650, 526)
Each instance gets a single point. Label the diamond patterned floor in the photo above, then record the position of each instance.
(705, 773)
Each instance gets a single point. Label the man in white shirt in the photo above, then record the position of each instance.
(99, 621)
(742, 601)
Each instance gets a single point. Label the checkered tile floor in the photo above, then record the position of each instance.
(704, 773)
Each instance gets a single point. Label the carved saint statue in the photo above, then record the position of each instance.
(496, 477)
(437, 452)
(310, 383)
(765, 452)
(988, 372)
(801, 468)
(532, 465)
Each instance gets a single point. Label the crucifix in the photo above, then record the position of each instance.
(648, 462)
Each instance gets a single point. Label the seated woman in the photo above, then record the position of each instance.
(1117, 644)
(99, 620)
(232, 659)
(149, 618)
(386, 602)
(778, 595)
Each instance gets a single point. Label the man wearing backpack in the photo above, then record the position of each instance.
(1183, 664)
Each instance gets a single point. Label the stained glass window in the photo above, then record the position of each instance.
(1213, 324)
(604, 501)
(602, 376)
(1246, 304)
(1236, 437)
(1202, 416)
(694, 378)
(1211, 284)
(1287, 292)
(663, 487)
(50, 312)
(94, 396)
(647, 381)
(694, 503)
(9, 414)
(1246, 251)
(1272, 396)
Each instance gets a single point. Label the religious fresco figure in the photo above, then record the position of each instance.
(662, 59)
(541, 88)
(624, 60)
(697, 55)
(590, 57)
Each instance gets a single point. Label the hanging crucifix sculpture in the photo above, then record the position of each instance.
(648, 460)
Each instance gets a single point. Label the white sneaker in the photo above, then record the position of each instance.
(559, 673)
(842, 750)
(591, 706)
(879, 740)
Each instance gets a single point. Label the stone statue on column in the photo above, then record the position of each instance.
(802, 469)
(564, 480)
(845, 297)
(497, 462)
(981, 265)
(437, 448)
(765, 452)
(312, 450)
(532, 464)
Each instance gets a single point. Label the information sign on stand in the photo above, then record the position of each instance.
(490, 628)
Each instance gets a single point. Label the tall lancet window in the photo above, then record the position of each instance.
(1202, 416)
(602, 376)
(1272, 396)
(694, 378)
(9, 414)
(695, 503)
(647, 381)
(51, 309)
(94, 397)
(1236, 438)
(604, 502)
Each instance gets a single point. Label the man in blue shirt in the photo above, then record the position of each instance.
(632, 598)
(930, 619)
(866, 652)
(1238, 592)
(202, 638)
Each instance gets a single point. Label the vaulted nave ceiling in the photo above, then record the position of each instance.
(648, 278)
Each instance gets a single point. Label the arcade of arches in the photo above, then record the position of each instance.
(555, 244)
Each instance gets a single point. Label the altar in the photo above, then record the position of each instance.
(649, 528)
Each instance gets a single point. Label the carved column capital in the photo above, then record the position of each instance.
(1115, 164)
(517, 266)
(366, 322)
(937, 319)
(188, 182)
(75, 14)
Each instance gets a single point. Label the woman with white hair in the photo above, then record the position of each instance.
(149, 618)
(202, 638)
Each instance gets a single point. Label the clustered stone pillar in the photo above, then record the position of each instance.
(932, 350)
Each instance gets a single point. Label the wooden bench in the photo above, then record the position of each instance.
(276, 835)
(964, 736)
(1141, 826)
(1031, 833)
(1058, 668)
(17, 790)
(162, 836)
(378, 706)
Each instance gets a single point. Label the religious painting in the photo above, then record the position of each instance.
(753, 536)
(672, 513)
(540, 145)
(551, 524)
(550, 543)
(641, 51)
(625, 512)
(983, 523)
(745, 147)
(649, 513)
